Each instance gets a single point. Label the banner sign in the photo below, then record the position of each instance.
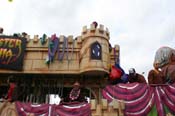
(12, 52)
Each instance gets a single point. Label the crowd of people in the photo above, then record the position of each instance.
(157, 75)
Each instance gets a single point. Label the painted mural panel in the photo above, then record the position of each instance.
(12, 52)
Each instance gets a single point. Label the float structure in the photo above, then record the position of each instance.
(86, 58)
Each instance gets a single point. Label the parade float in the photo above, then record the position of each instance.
(48, 66)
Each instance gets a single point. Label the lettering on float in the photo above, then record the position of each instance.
(10, 50)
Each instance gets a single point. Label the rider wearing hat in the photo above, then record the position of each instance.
(75, 94)
(135, 77)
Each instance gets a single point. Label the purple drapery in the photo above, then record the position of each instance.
(81, 109)
(140, 98)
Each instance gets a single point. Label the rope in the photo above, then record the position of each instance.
(67, 49)
(72, 52)
(62, 86)
(61, 55)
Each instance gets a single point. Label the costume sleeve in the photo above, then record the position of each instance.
(9, 94)
(142, 79)
(150, 77)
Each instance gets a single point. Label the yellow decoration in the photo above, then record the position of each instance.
(10, 0)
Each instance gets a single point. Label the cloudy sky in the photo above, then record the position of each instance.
(140, 27)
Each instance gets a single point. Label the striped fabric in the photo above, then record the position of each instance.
(141, 98)
(78, 109)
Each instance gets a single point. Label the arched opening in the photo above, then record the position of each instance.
(96, 51)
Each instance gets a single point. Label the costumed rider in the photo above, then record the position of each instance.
(169, 69)
(12, 91)
(135, 77)
(95, 24)
(155, 76)
(165, 59)
(75, 94)
(118, 75)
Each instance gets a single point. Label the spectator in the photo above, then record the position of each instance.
(135, 77)
(1, 30)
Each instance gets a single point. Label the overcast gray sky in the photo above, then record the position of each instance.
(140, 27)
